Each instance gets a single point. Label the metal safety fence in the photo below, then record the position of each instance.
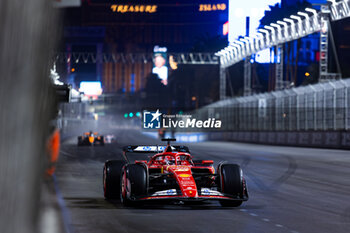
(323, 106)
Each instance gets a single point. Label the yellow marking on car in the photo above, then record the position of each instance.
(182, 169)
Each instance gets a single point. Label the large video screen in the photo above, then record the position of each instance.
(160, 64)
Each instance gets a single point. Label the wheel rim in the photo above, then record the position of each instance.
(125, 188)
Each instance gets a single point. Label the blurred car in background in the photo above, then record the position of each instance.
(91, 138)
(109, 138)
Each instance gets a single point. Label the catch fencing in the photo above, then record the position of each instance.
(319, 107)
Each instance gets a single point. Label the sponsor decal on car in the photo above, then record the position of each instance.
(165, 193)
(182, 169)
(209, 192)
(185, 183)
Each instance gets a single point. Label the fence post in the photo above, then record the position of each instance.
(222, 82)
(346, 127)
(314, 106)
(324, 108)
(334, 105)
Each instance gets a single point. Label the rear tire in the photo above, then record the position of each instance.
(111, 178)
(231, 183)
(133, 184)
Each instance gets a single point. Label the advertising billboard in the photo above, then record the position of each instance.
(160, 67)
(91, 88)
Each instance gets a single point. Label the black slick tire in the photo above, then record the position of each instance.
(133, 184)
(231, 183)
(111, 178)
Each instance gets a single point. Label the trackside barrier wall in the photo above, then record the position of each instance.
(316, 115)
(323, 139)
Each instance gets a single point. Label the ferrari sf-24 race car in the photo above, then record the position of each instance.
(171, 174)
(91, 138)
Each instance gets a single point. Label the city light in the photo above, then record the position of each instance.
(91, 88)
(212, 7)
(225, 28)
(134, 8)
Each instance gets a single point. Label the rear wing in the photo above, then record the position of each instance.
(153, 149)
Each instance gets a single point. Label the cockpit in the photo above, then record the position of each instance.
(172, 159)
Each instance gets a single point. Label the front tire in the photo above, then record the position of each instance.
(133, 184)
(231, 183)
(111, 178)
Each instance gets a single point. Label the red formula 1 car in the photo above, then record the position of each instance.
(171, 174)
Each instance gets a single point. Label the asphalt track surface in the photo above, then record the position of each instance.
(291, 190)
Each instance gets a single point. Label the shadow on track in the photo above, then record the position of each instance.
(101, 203)
(88, 203)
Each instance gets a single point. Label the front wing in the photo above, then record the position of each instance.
(205, 194)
